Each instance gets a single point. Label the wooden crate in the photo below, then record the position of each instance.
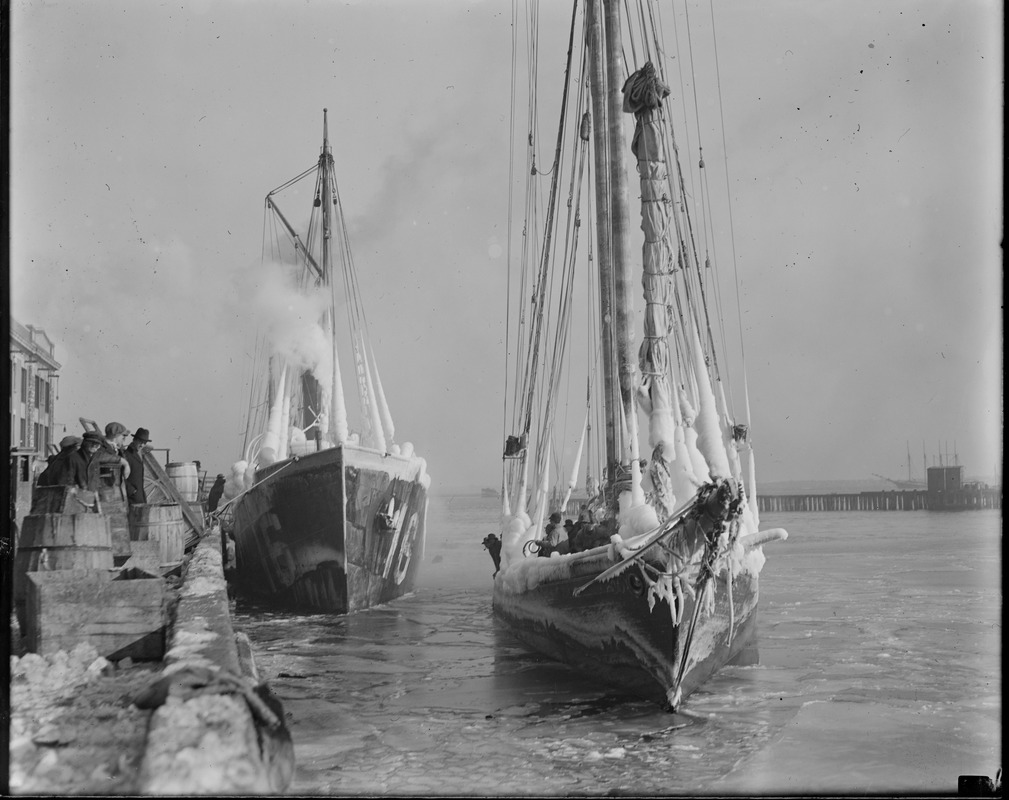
(59, 542)
(146, 557)
(119, 614)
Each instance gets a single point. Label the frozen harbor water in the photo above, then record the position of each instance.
(880, 671)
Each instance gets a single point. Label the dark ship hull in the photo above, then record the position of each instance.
(611, 632)
(334, 531)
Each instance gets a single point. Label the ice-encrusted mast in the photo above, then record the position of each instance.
(684, 428)
(643, 95)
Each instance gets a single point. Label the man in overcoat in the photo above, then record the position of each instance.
(136, 494)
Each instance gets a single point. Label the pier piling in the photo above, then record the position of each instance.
(958, 500)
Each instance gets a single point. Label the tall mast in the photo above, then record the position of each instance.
(619, 214)
(597, 77)
(336, 403)
(326, 168)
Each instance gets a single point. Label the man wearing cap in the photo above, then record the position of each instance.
(64, 470)
(110, 452)
(136, 494)
(115, 443)
(90, 456)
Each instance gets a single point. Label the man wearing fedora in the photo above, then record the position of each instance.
(136, 494)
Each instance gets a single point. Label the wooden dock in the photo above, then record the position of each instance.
(916, 500)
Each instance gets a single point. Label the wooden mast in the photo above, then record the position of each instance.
(597, 80)
(619, 219)
(326, 274)
(325, 164)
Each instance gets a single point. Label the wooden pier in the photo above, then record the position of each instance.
(918, 500)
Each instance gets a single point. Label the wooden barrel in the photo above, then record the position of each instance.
(58, 542)
(186, 479)
(163, 523)
(61, 500)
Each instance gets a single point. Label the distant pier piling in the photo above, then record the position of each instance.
(960, 500)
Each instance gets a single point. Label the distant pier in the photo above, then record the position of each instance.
(919, 500)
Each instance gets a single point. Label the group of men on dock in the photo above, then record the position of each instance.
(81, 458)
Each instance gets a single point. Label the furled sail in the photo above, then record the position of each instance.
(643, 95)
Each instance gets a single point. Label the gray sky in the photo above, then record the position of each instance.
(864, 146)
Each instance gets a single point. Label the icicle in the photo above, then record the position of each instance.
(578, 460)
(340, 429)
(285, 428)
(523, 498)
(709, 436)
(514, 528)
(661, 421)
(751, 485)
(383, 406)
(542, 498)
(729, 443)
(694, 466)
(322, 423)
(249, 478)
(271, 442)
(374, 434)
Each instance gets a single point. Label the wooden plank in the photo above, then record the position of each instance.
(118, 617)
(71, 530)
(89, 617)
(145, 556)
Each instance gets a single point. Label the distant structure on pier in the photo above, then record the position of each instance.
(945, 491)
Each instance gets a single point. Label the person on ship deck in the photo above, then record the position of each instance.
(548, 544)
(216, 493)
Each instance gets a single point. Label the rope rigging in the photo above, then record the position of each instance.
(326, 242)
(694, 299)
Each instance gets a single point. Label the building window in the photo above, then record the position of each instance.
(24, 385)
(24, 434)
(38, 391)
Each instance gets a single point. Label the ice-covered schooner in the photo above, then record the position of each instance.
(324, 518)
(654, 587)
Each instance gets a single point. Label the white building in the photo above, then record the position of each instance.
(34, 377)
